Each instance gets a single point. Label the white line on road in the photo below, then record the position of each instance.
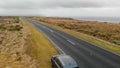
(60, 50)
(62, 35)
(71, 42)
(51, 31)
(48, 29)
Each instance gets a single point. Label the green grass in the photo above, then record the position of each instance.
(104, 44)
(40, 48)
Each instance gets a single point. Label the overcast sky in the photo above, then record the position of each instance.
(60, 7)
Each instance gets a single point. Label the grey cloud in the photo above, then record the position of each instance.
(71, 4)
(29, 4)
(12, 4)
(60, 7)
(70, 12)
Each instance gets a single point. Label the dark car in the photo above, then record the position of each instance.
(63, 61)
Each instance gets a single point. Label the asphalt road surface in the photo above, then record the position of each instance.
(86, 55)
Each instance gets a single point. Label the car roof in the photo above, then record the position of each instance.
(67, 61)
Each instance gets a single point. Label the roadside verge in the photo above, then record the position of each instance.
(40, 48)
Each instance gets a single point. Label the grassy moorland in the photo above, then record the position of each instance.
(12, 44)
(106, 35)
(22, 45)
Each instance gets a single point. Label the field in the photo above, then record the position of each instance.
(86, 30)
(22, 45)
(12, 44)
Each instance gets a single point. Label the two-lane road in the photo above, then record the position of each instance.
(87, 55)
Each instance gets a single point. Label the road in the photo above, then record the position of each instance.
(87, 55)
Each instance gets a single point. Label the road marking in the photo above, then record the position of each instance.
(61, 35)
(56, 46)
(51, 31)
(48, 29)
(97, 46)
(71, 42)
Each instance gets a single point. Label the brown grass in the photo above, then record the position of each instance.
(12, 44)
(23, 46)
(40, 48)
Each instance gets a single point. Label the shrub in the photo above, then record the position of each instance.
(105, 22)
(16, 20)
(61, 24)
(2, 27)
(15, 28)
